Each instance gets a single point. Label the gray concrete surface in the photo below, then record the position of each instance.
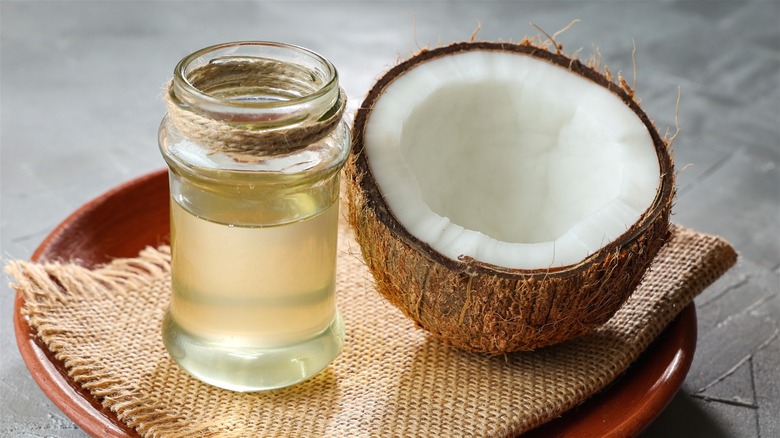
(80, 104)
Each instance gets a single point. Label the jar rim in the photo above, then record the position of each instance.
(182, 83)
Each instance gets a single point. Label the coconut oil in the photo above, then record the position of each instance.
(257, 299)
(253, 222)
(284, 294)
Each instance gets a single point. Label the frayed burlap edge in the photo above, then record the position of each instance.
(438, 398)
(51, 285)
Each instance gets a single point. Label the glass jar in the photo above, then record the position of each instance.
(254, 139)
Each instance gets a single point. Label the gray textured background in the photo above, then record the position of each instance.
(80, 104)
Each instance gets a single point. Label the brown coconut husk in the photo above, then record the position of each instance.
(486, 308)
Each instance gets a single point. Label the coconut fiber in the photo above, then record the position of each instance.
(392, 379)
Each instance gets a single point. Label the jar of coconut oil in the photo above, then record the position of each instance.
(254, 139)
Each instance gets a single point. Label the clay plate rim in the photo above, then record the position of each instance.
(124, 220)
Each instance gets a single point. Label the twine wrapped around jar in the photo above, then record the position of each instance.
(245, 137)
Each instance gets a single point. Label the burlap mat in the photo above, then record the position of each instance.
(391, 379)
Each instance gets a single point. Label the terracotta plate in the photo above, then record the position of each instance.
(125, 220)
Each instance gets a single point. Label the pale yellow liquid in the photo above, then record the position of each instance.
(253, 286)
(253, 307)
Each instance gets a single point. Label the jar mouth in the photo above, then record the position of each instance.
(234, 81)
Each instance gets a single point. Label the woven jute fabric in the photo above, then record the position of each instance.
(392, 379)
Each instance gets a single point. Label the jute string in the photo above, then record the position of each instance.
(391, 379)
(241, 136)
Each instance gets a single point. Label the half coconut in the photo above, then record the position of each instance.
(506, 197)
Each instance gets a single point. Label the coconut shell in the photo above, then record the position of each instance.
(491, 309)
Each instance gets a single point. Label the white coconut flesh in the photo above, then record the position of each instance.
(509, 160)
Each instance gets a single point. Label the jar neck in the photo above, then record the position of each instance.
(256, 85)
